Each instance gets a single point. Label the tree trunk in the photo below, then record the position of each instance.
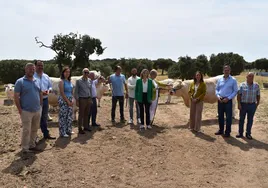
(162, 72)
(60, 67)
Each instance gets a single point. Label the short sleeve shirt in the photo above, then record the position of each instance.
(248, 92)
(29, 94)
(118, 84)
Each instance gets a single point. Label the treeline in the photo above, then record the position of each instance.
(184, 68)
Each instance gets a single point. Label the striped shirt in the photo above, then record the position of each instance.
(248, 92)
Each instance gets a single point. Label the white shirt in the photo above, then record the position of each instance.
(93, 88)
(145, 86)
(131, 84)
(195, 89)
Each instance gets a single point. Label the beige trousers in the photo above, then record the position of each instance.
(196, 115)
(30, 124)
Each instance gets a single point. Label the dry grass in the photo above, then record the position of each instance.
(240, 78)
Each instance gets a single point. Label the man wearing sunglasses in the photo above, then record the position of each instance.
(83, 96)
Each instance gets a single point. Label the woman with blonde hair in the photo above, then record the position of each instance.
(158, 85)
(143, 95)
(197, 92)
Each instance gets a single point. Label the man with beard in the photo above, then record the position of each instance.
(46, 88)
(28, 99)
(131, 83)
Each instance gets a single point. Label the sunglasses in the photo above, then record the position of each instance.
(86, 72)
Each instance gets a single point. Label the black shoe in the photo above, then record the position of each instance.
(218, 133)
(50, 137)
(95, 125)
(35, 149)
(81, 132)
(239, 136)
(226, 135)
(87, 129)
(113, 121)
(123, 121)
(249, 136)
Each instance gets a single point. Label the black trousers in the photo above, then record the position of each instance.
(145, 104)
(121, 106)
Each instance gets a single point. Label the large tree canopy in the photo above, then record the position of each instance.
(163, 64)
(73, 50)
(235, 61)
(261, 64)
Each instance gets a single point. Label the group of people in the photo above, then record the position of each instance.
(248, 99)
(31, 99)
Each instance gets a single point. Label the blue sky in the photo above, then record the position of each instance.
(138, 28)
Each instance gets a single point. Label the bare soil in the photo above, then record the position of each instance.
(168, 156)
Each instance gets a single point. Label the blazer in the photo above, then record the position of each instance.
(201, 91)
(139, 90)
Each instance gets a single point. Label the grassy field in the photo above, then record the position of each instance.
(240, 78)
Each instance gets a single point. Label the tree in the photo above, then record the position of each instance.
(163, 64)
(187, 67)
(261, 64)
(174, 71)
(202, 64)
(217, 62)
(249, 65)
(73, 50)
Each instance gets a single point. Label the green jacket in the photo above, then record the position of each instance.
(201, 91)
(139, 90)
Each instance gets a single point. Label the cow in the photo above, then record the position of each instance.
(9, 91)
(167, 90)
(53, 96)
(181, 89)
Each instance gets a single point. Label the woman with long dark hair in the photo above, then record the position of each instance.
(197, 92)
(65, 103)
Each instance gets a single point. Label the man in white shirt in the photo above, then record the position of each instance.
(93, 111)
(131, 83)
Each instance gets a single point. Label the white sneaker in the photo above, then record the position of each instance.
(149, 127)
(65, 136)
(141, 126)
(139, 120)
(130, 121)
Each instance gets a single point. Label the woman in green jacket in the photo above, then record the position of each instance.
(197, 92)
(143, 95)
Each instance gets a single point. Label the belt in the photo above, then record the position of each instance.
(248, 103)
(84, 97)
(45, 98)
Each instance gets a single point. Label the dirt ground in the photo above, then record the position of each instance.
(168, 156)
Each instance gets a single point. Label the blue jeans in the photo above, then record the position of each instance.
(249, 110)
(227, 109)
(93, 112)
(131, 106)
(44, 115)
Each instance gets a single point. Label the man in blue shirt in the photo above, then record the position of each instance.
(226, 90)
(118, 82)
(46, 88)
(28, 99)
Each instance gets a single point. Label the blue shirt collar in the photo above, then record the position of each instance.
(25, 78)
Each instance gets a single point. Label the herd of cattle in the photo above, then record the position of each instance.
(180, 89)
